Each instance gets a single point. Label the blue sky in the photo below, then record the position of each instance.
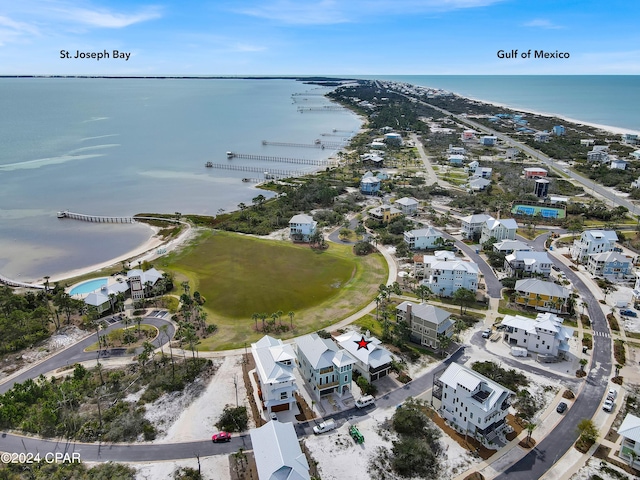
(332, 37)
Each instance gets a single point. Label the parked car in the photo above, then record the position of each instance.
(557, 269)
(273, 416)
(628, 313)
(325, 426)
(612, 394)
(221, 437)
(607, 406)
(561, 407)
(364, 401)
(486, 333)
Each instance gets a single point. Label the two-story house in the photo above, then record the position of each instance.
(503, 229)
(140, 282)
(426, 323)
(629, 430)
(541, 295)
(510, 246)
(593, 241)
(423, 238)
(408, 206)
(275, 362)
(369, 184)
(609, 264)
(325, 367)
(472, 225)
(302, 227)
(545, 334)
(422, 263)
(373, 361)
(474, 404)
(524, 263)
(447, 276)
(384, 213)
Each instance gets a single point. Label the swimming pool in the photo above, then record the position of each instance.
(88, 286)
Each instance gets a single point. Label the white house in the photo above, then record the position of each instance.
(483, 172)
(140, 281)
(444, 277)
(629, 430)
(372, 360)
(593, 241)
(472, 225)
(541, 136)
(524, 263)
(423, 238)
(619, 164)
(503, 229)
(302, 227)
(422, 263)
(545, 334)
(456, 159)
(472, 166)
(426, 323)
(597, 156)
(478, 184)
(325, 367)
(275, 362)
(393, 138)
(510, 246)
(408, 206)
(456, 150)
(472, 403)
(609, 264)
(277, 452)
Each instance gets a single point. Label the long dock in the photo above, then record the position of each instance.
(317, 144)
(265, 158)
(326, 108)
(14, 283)
(94, 218)
(270, 172)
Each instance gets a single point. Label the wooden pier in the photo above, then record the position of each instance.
(14, 283)
(265, 158)
(326, 108)
(271, 173)
(308, 94)
(94, 218)
(317, 144)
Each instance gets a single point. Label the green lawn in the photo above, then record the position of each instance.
(240, 275)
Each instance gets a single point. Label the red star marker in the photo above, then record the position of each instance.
(362, 343)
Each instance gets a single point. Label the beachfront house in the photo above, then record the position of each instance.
(302, 227)
(426, 323)
(275, 362)
(324, 367)
(473, 404)
(592, 241)
(277, 452)
(503, 229)
(408, 206)
(370, 184)
(541, 295)
(558, 130)
(373, 361)
(526, 263)
(629, 430)
(545, 334)
(609, 264)
(140, 282)
(472, 225)
(423, 238)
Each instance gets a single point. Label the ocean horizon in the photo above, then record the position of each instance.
(124, 146)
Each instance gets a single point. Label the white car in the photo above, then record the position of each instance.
(612, 394)
(607, 406)
(364, 401)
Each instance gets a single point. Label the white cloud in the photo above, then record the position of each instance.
(103, 18)
(11, 30)
(542, 23)
(322, 12)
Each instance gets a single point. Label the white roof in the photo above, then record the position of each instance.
(528, 257)
(477, 218)
(610, 257)
(370, 180)
(425, 311)
(407, 201)
(321, 352)
(152, 275)
(479, 182)
(277, 452)
(373, 354)
(630, 428)
(508, 223)
(515, 245)
(424, 232)
(270, 354)
(302, 218)
(608, 235)
(535, 169)
(456, 375)
(450, 265)
(541, 287)
(456, 157)
(96, 299)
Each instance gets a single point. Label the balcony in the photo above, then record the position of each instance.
(325, 386)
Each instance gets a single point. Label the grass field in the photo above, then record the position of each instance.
(240, 275)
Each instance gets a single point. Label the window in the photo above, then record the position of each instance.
(283, 395)
(346, 377)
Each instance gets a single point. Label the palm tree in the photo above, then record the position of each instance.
(530, 427)
(255, 317)
(263, 317)
(279, 313)
(291, 315)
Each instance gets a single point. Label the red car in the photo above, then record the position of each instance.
(221, 437)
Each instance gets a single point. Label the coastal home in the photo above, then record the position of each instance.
(426, 323)
(510, 246)
(535, 172)
(444, 277)
(478, 184)
(541, 295)
(302, 227)
(609, 264)
(483, 172)
(592, 241)
(629, 430)
(541, 136)
(456, 150)
(370, 184)
(598, 156)
(527, 264)
(619, 164)
(277, 452)
(423, 238)
(512, 153)
(473, 404)
(456, 160)
(472, 166)
(324, 367)
(636, 183)
(468, 135)
(140, 282)
(384, 213)
(558, 130)
(393, 139)
(472, 225)
(636, 154)
(373, 361)
(545, 334)
(502, 229)
(422, 263)
(588, 142)
(630, 138)
(378, 145)
(372, 159)
(488, 140)
(408, 206)
(98, 300)
(275, 362)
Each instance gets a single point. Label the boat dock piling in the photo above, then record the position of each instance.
(94, 218)
(271, 172)
(316, 144)
(265, 158)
